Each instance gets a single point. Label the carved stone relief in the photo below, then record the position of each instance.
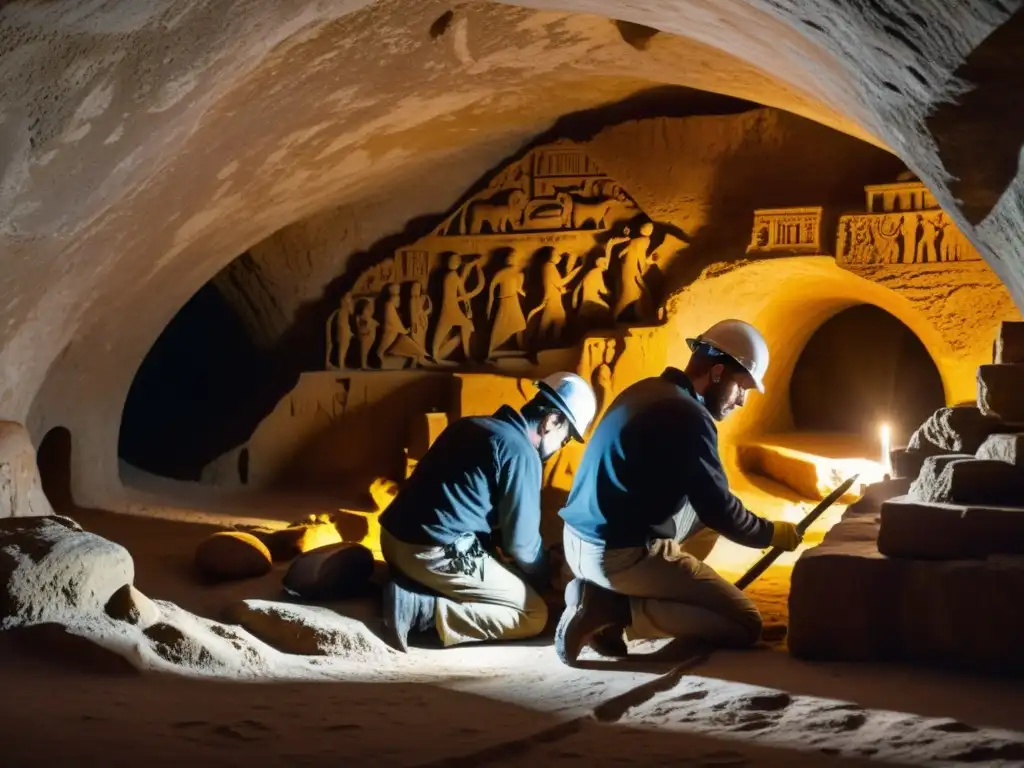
(550, 250)
(897, 197)
(786, 230)
(915, 237)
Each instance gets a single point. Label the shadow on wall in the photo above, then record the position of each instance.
(54, 459)
(980, 135)
(863, 367)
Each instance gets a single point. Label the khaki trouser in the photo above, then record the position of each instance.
(491, 604)
(672, 592)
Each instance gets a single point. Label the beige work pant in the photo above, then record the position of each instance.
(493, 604)
(672, 592)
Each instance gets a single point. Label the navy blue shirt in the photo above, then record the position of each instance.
(651, 470)
(481, 473)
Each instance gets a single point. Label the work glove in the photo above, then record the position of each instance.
(786, 536)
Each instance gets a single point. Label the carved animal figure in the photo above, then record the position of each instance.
(578, 212)
(499, 216)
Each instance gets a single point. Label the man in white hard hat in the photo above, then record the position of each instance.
(648, 501)
(481, 474)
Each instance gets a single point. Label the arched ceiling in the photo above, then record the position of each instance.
(143, 145)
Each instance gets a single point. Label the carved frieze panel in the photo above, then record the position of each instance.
(899, 197)
(786, 230)
(914, 237)
(551, 249)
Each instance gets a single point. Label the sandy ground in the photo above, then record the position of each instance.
(496, 704)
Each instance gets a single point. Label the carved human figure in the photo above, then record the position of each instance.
(909, 226)
(395, 339)
(366, 328)
(456, 313)
(420, 308)
(552, 307)
(886, 230)
(339, 329)
(507, 288)
(952, 243)
(591, 297)
(633, 261)
(926, 251)
(604, 379)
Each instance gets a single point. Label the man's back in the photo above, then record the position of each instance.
(653, 453)
(454, 488)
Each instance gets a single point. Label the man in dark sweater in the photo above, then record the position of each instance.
(650, 497)
(481, 475)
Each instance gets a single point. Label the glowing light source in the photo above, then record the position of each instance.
(886, 440)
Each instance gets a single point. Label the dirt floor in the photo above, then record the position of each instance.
(494, 704)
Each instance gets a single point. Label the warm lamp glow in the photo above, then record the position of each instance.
(886, 443)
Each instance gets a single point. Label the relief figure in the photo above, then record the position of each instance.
(499, 216)
(633, 260)
(456, 312)
(343, 317)
(366, 326)
(591, 297)
(552, 307)
(509, 321)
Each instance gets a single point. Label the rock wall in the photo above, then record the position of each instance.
(21, 490)
(144, 149)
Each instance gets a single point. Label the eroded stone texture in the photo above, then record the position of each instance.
(1005, 447)
(930, 483)
(21, 491)
(939, 531)
(848, 602)
(999, 391)
(961, 429)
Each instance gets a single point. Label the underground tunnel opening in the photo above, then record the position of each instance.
(862, 383)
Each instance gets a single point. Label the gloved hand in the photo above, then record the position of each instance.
(786, 536)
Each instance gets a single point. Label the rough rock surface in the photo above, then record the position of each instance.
(848, 602)
(960, 429)
(130, 605)
(999, 391)
(228, 555)
(21, 491)
(935, 531)
(1006, 447)
(930, 484)
(51, 568)
(308, 630)
(333, 572)
(1009, 347)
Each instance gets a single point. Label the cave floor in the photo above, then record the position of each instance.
(495, 704)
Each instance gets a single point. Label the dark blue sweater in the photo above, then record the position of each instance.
(654, 455)
(481, 473)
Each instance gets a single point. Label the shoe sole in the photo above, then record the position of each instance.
(568, 652)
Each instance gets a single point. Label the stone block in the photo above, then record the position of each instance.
(1009, 347)
(1006, 447)
(1001, 391)
(848, 602)
(927, 485)
(959, 429)
(919, 530)
(906, 463)
(970, 481)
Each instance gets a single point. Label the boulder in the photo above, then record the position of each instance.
(331, 573)
(1009, 346)
(230, 555)
(51, 570)
(308, 630)
(906, 463)
(129, 605)
(848, 602)
(928, 484)
(959, 429)
(1005, 447)
(1001, 392)
(925, 531)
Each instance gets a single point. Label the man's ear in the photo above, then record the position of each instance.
(717, 372)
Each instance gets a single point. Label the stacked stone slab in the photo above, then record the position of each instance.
(929, 566)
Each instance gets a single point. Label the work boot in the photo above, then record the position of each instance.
(406, 609)
(610, 643)
(588, 610)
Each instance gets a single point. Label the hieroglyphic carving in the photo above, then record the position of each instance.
(897, 197)
(520, 267)
(916, 237)
(787, 230)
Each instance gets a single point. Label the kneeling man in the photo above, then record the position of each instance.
(481, 474)
(649, 500)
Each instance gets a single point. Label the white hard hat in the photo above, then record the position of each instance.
(574, 397)
(742, 342)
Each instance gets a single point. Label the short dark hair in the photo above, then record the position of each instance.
(539, 407)
(705, 357)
